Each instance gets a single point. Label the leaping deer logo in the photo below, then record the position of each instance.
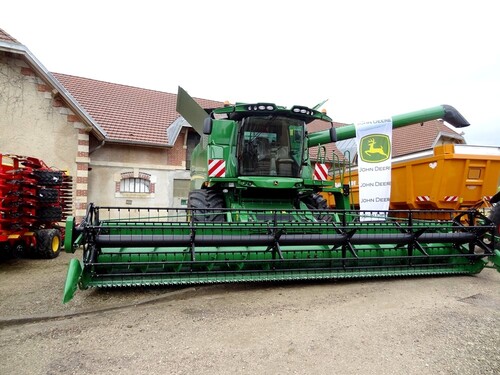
(375, 150)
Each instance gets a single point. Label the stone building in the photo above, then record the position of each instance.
(125, 145)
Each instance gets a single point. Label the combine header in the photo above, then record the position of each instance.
(255, 213)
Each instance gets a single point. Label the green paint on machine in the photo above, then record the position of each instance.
(262, 218)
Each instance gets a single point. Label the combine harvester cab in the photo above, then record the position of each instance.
(255, 213)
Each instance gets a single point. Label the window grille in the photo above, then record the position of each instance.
(135, 185)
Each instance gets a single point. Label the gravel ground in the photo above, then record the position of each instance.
(435, 325)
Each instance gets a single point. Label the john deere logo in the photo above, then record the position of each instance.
(375, 148)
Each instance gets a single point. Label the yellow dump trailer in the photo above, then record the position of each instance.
(449, 177)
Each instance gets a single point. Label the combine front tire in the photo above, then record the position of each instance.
(202, 202)
(317, 202)
(48, 243)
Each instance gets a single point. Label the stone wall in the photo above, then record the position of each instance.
(35, 122)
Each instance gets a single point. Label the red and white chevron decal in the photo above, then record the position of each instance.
(451, 198)
(320, 172)
(423, 198)
(216, 168)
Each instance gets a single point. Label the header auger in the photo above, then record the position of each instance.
(255, 214)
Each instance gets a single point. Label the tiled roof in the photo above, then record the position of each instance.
(127, 114)
(405, 140)
(417, 137)
(7, 37)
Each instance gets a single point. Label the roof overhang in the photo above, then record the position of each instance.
(58, 89)
(124, 142)
(174, 129)
(457, 138)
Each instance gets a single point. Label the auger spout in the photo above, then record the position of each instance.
(445, 112)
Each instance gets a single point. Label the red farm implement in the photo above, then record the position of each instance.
(34, 202)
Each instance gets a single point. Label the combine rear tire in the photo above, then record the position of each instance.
(48, 243)
(495, 217)
(202, 202)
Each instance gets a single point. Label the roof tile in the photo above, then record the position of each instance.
(7, 37)
(128, 114)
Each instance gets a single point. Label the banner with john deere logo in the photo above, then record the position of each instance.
(374, 141)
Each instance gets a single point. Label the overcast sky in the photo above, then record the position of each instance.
(370, 59)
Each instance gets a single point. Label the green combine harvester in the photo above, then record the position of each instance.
(255, 213)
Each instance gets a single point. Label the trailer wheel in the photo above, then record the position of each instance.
(202, 202)
(18, 250)
(495, 215)
(5, 251)
(15, 251)
(48, 243)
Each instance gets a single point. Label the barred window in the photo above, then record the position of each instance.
(137, 184)
(134, 185)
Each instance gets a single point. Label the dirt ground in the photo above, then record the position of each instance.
(435, 325)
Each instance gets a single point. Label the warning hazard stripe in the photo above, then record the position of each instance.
(451, 198)
(423, 198)
(320, 172)
(216, 168)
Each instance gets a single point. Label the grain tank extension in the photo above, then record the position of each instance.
(255, 213)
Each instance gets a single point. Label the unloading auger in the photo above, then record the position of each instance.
(255, 214)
